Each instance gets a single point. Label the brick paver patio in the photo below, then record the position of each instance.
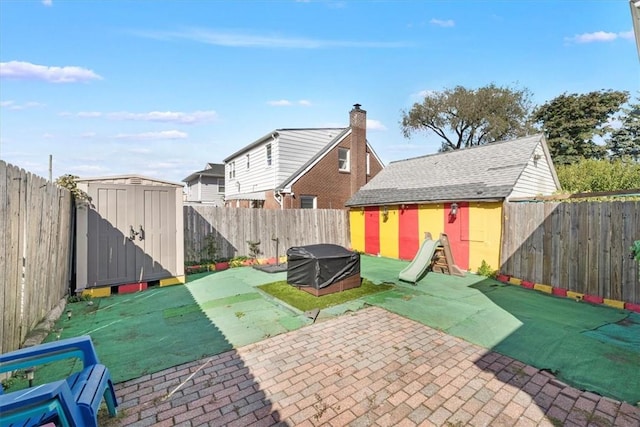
(370, 368)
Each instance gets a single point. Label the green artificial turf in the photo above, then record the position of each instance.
(305, 301)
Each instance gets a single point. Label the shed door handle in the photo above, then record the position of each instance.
(132, 233)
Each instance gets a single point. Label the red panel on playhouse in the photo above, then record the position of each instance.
(371, 230)
(457, 228)
(408, 234)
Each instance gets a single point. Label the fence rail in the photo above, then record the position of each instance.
(582, 247)
(232, 228)
(35, 230)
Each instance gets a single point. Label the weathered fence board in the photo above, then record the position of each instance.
(583, 247)
(35, 255)
(232, 228)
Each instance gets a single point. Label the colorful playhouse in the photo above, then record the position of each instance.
(460, 193)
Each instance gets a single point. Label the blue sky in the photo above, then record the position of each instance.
(160, 88)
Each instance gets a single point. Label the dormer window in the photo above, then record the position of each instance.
(343, 160)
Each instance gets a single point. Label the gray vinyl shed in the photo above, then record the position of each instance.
(130, 232)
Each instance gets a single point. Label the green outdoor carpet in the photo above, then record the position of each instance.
(137, 334)
(591, 347)
(145, 332)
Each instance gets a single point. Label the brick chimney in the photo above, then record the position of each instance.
(358, 150)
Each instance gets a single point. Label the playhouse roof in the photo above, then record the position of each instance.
(485, 172)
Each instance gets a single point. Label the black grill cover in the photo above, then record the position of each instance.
(320, 265)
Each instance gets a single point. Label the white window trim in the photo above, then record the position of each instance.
(269, 154)
(368, 164)
(314, 198)
(348, 159)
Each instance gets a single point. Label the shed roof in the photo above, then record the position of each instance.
(132, 179)
(479, 173)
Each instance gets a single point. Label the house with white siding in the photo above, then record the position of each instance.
(206, 186)
(302, 168)
(460, 193)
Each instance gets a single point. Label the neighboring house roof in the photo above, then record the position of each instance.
(318, 156)
(212, 169)
(479, 173)
(283, 133)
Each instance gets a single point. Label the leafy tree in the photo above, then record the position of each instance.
(70, 182)
(589, 175)
(467, 117)
(572, 123)
(625, 141)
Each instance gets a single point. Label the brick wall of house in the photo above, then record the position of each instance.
(332, 188)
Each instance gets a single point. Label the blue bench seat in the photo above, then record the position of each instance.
(74, 401)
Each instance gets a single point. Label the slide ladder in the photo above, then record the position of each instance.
(442, 261)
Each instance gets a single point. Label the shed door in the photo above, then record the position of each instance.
(156, 215)
(111, 255)
(131, 234)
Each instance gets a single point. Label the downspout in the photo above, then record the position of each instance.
(277, 193)
(278, 196)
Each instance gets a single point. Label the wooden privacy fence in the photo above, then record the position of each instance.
(35, 231)
(582, 247)
(233, 227)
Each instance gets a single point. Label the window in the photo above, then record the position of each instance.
(232, 170)
(268, 154)
(248, 162)
(308, 202)
(343, 160)
(220, 185)
(368, 164)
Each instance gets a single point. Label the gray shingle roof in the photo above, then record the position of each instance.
(484, 172)
(212, 169)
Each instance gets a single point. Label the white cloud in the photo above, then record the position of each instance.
(287, 103)
(443, 23)
(626, 34)
(599, 36)
(422, 94)
(152, 116)
(280, 103)
(91, 169)
(273, 41)
(89, 114)
(375, 125)
(139, 150)
(12, 105)
(153, 136)
(47, 2)
(47, 135)
(166, 116)
(28, 71)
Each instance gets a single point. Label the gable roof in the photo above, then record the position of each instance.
(318, 156)
(322, 135)
(212, 169)
(479, 173)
